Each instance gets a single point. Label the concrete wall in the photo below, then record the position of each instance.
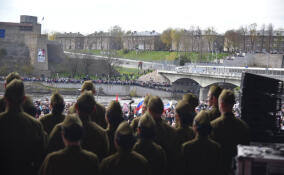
(122, 90)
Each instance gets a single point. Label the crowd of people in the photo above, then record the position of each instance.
(149, 84)
(92, 139)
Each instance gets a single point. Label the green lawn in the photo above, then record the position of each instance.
(159, 55)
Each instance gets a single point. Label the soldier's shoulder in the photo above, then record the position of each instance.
(241, 122)
(94, 126)
(55, 155)
(189, 144)
(139, 156)
(89, 154)
(72, 109)
(109, 159)
(100, 106)
(214, 143)
(216, 122)
(30, 118)
(45, 117)
(158, 147)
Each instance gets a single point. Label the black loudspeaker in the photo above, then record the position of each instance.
(260, 102)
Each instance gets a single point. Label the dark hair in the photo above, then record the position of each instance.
(124, 136)
(191, 99)
(86, 102)
(73, 133)
(215, 91)
(114, 113)
(184, 111)
(126, 142)
(15, 91)
(203, 130)
(156, 105)
(147, 127)
(57, 103)
(228, 97)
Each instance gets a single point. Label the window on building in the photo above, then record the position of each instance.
(26, 28)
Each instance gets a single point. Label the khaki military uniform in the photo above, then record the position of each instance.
(98, 116)
(166, 137)
(134, 124)
(154, 153)
(125, 163)
(201, 156)
(23, 143)
(95, 139)
(110, 133)
(3, 105)
(229, 131)
(184, 134)
(72, 160)
(214, 113)
(50, 120)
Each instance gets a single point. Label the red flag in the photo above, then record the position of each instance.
(116, 97)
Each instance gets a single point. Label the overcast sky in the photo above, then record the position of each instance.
(87, 16)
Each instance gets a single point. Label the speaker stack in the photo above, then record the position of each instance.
(260, 102)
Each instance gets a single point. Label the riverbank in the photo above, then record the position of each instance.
(102, 89)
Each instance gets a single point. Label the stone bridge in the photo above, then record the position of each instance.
(203, 79)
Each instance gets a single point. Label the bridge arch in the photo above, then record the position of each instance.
(186, 85)
(203, 80)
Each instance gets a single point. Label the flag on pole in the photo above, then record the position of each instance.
(167, 106)
(139, 107)
(116, 99)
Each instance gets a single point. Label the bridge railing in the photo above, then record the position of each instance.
(231, 71)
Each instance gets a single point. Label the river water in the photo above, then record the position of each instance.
(104, 100)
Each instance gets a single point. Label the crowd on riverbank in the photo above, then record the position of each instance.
(163, 86)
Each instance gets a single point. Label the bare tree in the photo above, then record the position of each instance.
(252, 35)
(115, 41)
(270, 36)
(210, 35)
(73, 66)
(86, 63)
(262, 36)
(244, 30)
(199, 42)
(279, 40)
(232, 40)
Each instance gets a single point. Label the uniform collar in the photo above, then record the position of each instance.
(73, 148)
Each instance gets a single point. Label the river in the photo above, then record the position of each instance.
(104, 100)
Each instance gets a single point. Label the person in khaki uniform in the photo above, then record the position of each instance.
(23, 140)
(50, 120)
(184, 117)
(213, 95)
(98, 116)
(145, 145)
(165, 135)
(193, 101)
(228, 130)
(135, 121)
(201, 156)
(125, 161)
(114, 118)
(11, 76)
(72, 160)
(95, 138)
